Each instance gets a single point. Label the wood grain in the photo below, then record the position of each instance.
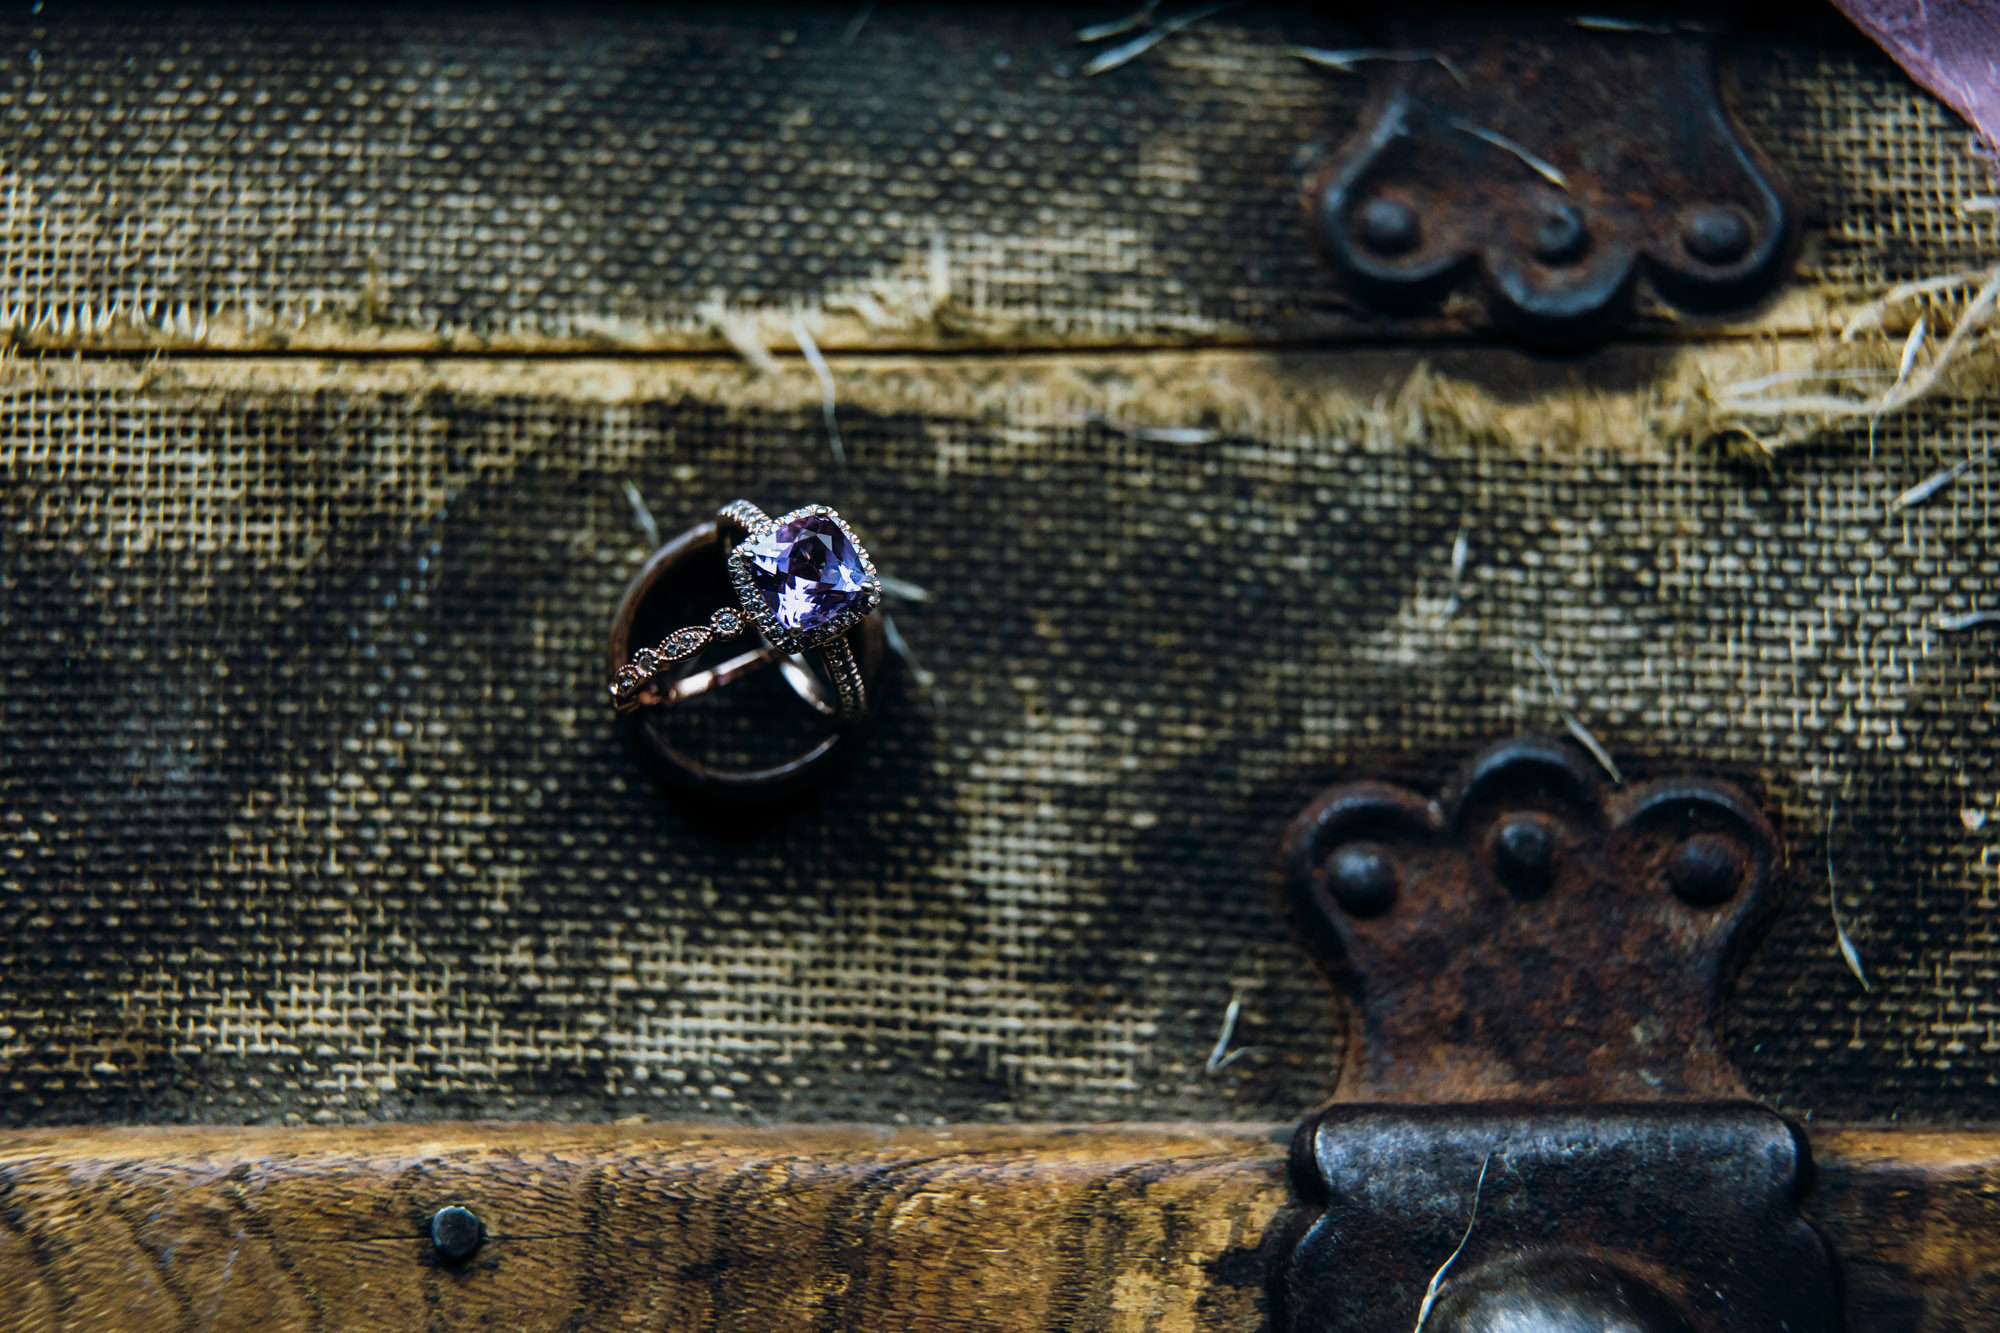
(601, 1227)
(659, 1227)
(1914, 1218)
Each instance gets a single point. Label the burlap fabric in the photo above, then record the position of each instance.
(408, 179)
(309, 804)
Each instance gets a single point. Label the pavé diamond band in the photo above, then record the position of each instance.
(803, 582)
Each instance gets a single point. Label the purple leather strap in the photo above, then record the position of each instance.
(1951, 47)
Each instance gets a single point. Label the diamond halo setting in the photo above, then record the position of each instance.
(805, 579)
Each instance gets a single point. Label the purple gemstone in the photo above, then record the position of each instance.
(807, 572)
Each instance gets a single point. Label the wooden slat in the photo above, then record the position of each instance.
(655, 1227)
(966, 1228)
(1914, 1218)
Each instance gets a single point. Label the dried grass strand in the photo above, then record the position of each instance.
(1847, 949)
(741, 334)
(1344, 61)
(1974, 317)
(1437, 1278)
(1911, 386)
(1937, 481)
(1146, 41)
(824, 373)
(1183, 435)
(1608, 23)
(1216, 1058)
(1565, 709)
(1912, 345)
(1870, 316)
(642, 516)
(1461, 551)
(1138, 18)
(857, 23)
(1541, 166)
(1750, 388)
(937, 271)
(900, 646)
(901, 590)
(1824, 404)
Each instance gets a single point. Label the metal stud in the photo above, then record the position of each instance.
(1524, 853)
(1361, 878)
(1389, 226)
(456, 1232)
(1559, 234)
(1705, 869)
(1716, 234)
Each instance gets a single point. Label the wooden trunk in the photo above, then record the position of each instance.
(353, 364)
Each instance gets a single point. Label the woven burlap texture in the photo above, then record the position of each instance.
(313, 807)
(310, 807)
(646, 179)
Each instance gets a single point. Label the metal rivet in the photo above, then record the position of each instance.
(1389, 226)
(1705, 869)
(456, 1232)
(1716, 234)
(1361, 879)
(1524, 853)
(1559, 235)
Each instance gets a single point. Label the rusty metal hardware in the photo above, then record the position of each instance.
(1654, 1219)
(1523, 937)
(1535, 1127)
(1552, 166)
(456, 1232)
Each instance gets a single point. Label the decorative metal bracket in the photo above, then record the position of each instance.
(1551, 165)
(1535, 1127)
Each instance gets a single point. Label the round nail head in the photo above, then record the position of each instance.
(1524, 853)
(1389, 226)
(456, 1232)
(1705, 869)
(1362, 879)
(1716, 234)
(1559, 234)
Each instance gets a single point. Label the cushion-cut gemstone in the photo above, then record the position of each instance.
(806, 572)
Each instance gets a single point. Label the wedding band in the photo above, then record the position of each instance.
(799, 590)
